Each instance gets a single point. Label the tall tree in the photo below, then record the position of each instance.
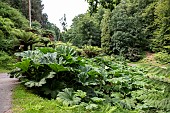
(29, 10)
(105, 29)
(161, 34)
(122, 30)
(84, 30)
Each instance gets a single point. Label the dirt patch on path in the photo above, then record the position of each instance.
(150, 56)
(6, 86)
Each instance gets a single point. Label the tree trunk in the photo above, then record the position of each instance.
(29, 6)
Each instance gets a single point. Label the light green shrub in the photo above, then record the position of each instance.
(5, 60)
(91, 51)
(162, 57)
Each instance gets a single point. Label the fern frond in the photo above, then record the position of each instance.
(158, 73)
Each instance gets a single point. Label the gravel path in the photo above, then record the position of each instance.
(6, 86)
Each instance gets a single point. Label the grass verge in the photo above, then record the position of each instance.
(26, 102)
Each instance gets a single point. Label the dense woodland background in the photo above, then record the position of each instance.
(127, 28)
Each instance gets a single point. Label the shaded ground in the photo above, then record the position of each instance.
(6, 86)
(149, 59)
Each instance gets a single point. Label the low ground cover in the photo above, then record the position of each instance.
(24, 101)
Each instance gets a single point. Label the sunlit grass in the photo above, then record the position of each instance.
(26, 102)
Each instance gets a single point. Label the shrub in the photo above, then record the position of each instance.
(6, 60)
(133, 54)
(162, 57)
(14, 15)
(91, 51)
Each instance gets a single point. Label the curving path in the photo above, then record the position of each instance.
(6, 86)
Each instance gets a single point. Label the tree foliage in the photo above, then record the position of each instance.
(22, 5)
(105, 32)
(107, 4)
(7, 38)
(14, 15)
(161, 34)
(84, 30)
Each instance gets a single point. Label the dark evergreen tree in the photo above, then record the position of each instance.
(105, 32)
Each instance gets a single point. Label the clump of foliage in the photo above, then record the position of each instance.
(162, 57)
(126, 31)
(26, 39)
(85, 30)
(6, 60)
(162, 29)
(91, 51)
(14, 15)
(157, 98)
(6, 37)
(75, 48)
(54, 66)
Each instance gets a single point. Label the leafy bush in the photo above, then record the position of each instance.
(162, 57)
(60, 71)
(78, 50)
(14, 15)
(7, 38)
(6, 60)
(133, 54)
(55, 68)
(91, 51)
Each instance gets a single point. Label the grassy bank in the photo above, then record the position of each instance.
(26, 102)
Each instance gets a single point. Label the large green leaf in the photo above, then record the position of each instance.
(57, 68)
(24, 65)
(33, 83)
(68, 97)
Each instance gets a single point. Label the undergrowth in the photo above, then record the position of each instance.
(24, 101)
(75, 81)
